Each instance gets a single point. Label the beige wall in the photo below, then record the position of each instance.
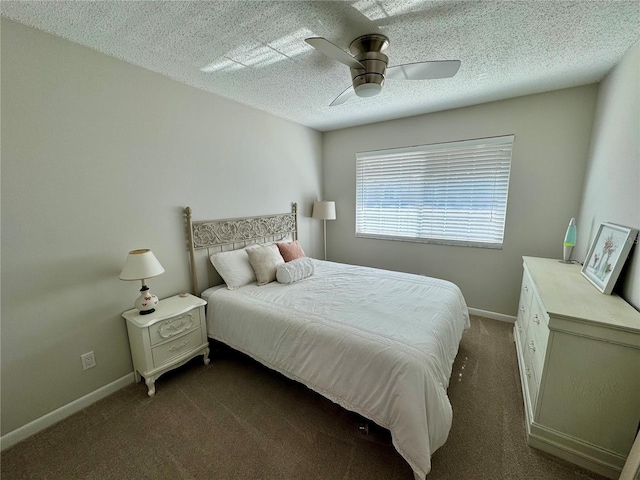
(549, 158)
(612, 185)
(98, 158)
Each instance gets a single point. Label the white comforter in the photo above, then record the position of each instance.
(376, 342)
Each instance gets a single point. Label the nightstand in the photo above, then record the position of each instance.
(167, 338)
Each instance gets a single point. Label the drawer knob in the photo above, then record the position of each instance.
(536, 319)
(526, 288)
(532, 346)
(527, 372)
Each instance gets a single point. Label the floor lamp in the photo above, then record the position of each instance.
(324, 211)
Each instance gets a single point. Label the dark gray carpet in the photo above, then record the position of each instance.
(235, 419)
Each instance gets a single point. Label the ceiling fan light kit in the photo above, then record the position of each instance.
(369, 89)
(368, 65)
(367, 50)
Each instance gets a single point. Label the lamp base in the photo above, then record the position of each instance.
(566, 254)
(146, 302)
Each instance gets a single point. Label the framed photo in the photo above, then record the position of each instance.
(607, 255)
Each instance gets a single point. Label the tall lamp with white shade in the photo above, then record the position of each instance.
(324, 211)
(140, 265)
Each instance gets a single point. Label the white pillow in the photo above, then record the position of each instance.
(234, 268)
(295, 270)
(265, 261)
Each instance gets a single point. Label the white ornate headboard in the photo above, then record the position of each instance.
(232, 233)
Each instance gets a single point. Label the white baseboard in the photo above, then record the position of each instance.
(63, 412)
(492, 315)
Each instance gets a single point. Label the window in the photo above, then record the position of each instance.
(450, 193)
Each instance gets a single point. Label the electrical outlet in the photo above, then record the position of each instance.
(88, 360)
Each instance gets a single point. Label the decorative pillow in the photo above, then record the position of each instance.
(295, 270)
(234, 268)
(265, 261)
(290, 250)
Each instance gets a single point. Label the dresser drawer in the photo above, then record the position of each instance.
(524, 307)
(537, 337)
(532, 380)
(526, 291)
(168, 351)
(174, 326)
(521, 331)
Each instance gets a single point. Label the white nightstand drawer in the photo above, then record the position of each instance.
(172, 327)
(168, 351)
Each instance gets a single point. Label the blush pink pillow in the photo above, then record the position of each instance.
(290, 250)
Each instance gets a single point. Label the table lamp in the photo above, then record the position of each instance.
(140, 265)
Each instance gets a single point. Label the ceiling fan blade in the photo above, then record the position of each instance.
(346, 21)
(332, 51)
(344, 96)
(424, 70)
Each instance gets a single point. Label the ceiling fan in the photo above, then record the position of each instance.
(369, 65)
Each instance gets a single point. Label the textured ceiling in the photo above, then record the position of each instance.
(254, 51)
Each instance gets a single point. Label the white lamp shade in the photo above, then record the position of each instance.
(141, 264)
(324, 210)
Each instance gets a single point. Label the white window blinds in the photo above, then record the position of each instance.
(451, 193)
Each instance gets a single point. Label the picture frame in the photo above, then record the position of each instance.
(607, 255)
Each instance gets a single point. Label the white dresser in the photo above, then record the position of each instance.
(579, 358)
(167, 338)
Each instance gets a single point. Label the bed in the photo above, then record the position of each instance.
(376, 342)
